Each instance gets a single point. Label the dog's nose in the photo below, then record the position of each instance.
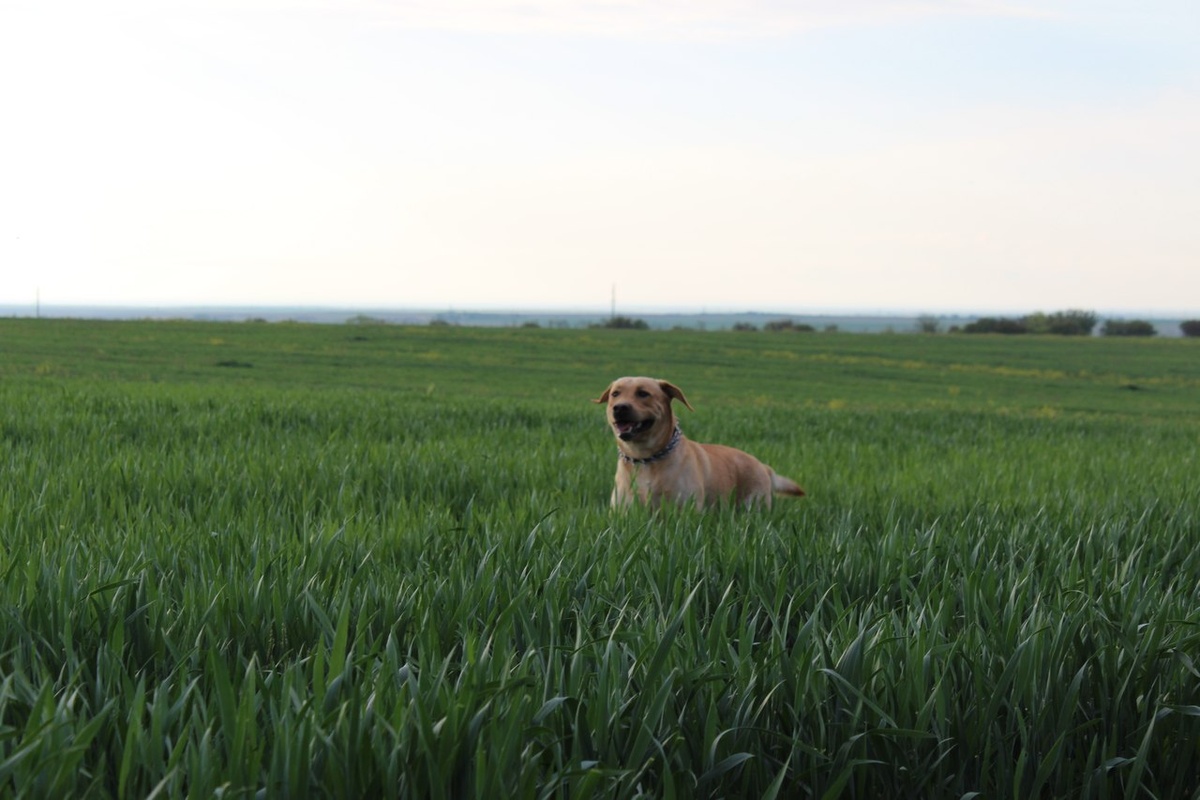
(620, 410)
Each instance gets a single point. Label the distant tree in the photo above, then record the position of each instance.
(927, 323)
(779, 325)
(363, 319)
(1036, 323)
(1133, 327)
(1190, 327)
(532, 323)
(995, 325)
(1062, 323)
(744, 326)
(1073, 323)
(623, 323)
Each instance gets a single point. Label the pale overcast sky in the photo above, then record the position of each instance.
(932, 155)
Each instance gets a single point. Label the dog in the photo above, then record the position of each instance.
(658, 463)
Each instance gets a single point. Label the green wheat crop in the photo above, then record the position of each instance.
(379, 561)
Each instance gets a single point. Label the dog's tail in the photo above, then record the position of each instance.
(782, 485)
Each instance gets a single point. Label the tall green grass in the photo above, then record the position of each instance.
(258, 581)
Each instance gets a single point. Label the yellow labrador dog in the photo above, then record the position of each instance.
(657, 462)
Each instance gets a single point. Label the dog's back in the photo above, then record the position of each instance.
(737, 475)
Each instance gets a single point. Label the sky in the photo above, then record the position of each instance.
(812, 155)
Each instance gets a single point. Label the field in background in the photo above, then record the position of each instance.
(311, 560)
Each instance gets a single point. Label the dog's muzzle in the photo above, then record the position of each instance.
(627, 425)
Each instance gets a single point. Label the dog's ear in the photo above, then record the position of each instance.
(675, 393)
(604, 397)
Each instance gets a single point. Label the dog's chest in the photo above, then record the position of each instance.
(654, 482)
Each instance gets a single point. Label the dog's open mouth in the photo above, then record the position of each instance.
(627, 429)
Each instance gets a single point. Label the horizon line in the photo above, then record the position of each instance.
(59, 309)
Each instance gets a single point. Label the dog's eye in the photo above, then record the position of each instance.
(642, 393)
(614, 394)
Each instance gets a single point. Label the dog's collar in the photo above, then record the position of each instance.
(659, 456)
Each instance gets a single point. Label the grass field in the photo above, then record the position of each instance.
(286, 560)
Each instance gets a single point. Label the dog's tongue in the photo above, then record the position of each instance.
(625, 427)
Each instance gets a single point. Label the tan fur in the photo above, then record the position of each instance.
(640, 415)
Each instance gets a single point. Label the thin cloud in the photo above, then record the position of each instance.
(677, 19)
(665, 19)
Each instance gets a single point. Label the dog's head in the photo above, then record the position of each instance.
(639, 409)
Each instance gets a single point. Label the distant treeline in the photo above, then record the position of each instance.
(1071, 323)
(1060, 323)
